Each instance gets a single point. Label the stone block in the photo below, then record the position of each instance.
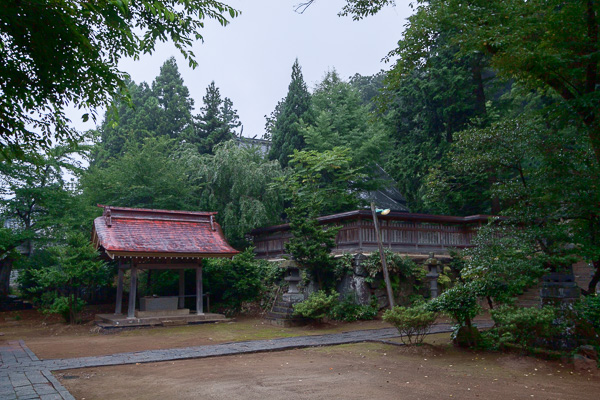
(158, 303)
(582, 363)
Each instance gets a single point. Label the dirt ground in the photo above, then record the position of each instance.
(48, 337)
(358, 371)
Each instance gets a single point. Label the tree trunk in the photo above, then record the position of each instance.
(5, 270)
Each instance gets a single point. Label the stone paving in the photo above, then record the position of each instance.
(24, 376)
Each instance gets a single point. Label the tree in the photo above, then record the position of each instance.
(74, 268)
(58, 53)
(542, 44)
(293, 111)
(127, 121)
(230, 116)
(175, 119)
(342, 121)
(237, 183)
(317, 183)
(150, 174)
(214, 124)
(37, 205)
(165, 109)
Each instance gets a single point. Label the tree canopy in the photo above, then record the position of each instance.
(288, 118)
(60, 53)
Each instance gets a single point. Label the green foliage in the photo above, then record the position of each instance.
(413, 323)
(57, 53)
(343, 121)
(347, 310)
(524, 326)
(458, 302)
(216, 122)
(162, 110)
(589, 309)
(150, 174)
(72, 268)
(232, 282)
(324, 180)
(504, 262)
(65, 306)
(237, 183)
(397, 264)
(317, 306)
(311, 244)
(317, 183)
(284, 126)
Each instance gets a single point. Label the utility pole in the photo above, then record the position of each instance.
(386, 275)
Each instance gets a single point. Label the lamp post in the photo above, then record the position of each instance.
(386, 275)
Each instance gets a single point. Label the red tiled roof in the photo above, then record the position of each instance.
(159, 233)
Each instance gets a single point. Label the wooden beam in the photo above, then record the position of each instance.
(149, 266)
(132, 292)
(181, 288)
(199, 294)
(119, 291)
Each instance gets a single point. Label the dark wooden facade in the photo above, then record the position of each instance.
(401, 232)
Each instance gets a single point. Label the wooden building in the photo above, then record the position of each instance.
(145, 239)
(407, 233)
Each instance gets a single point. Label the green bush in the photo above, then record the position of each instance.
(458, 302)
(589, 310)
(347, 310)
(413, 323)
(68, 307)
(524, 326)
(232, 282)
(317, 306)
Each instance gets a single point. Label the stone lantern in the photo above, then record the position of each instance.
(433, 273)
(293, 278)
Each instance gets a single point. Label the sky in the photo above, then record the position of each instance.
(251, 59)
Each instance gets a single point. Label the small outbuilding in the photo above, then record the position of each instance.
(147, 239)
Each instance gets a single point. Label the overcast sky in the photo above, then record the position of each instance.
(251, 59)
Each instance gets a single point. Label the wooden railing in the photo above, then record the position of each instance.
(401, 232)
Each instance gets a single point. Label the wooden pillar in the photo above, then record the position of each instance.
(132, 292)
(386, 276)
(181, 288)
(119, 290)
(199, 294)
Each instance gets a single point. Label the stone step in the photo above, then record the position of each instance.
(283, 309)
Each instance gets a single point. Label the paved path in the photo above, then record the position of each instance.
(24, 376)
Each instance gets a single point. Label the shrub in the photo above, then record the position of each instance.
(68, 307)
(347, 310)
(413, 323)
(232, 282)
(589, 310)
(459, 303)
(524, 326)
(317, 306)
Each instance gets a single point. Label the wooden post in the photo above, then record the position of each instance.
(132, 292)
(119, 290)
(386, 275)
(181, 288)
(199, 294)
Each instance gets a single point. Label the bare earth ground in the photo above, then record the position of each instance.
(48, 337)
(358, 371)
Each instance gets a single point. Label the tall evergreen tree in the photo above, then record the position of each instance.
(174, 100)
(216, 122)
(230, 116)
(343, 121)
(163, 110)
(294, 111)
